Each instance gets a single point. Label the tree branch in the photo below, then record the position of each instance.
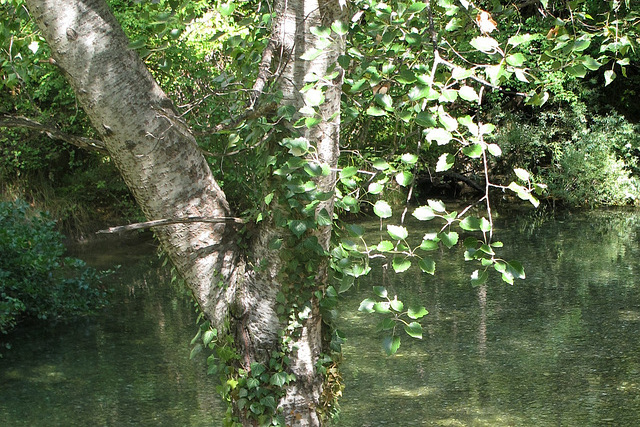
(161, 222)
(53, 133)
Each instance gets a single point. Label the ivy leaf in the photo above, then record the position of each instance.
(417, 312)
(397, 232)
(400, 264)
(391, 345)
(323, 218)
(414, 329)
(445, 162)
(298, 227)
(382, 209)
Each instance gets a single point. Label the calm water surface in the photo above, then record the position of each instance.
(561, 348)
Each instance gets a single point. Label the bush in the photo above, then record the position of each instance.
(36, 280)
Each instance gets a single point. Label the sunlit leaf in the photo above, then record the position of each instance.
(366, 305)
(485, 44)
(340, 28)
(522, 174)
(414, 329)
(474, 151)
(416, 7)
(375, 188)
(515, 60)
(468, 93)
(479, 277)
(417, 312)
(385, 246)
(437, 205)
(409, 158)
(400, 264)
(397, 232)
(382, 209)
(376, 111)
(404, 178)
(423, 213)
(441, 136)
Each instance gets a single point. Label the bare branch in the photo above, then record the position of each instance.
(161, 222)
(53, 133)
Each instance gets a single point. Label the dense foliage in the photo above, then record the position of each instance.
(36, 279)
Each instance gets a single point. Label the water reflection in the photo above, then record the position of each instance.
(129, 365)
(559, 349)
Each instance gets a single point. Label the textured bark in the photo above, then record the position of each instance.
(169, 177)
(153, 149)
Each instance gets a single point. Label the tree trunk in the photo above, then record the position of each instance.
(161, 163)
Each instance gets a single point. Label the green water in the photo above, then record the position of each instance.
(558, 349)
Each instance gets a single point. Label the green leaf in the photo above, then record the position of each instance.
(416, 7)
(577, 70)
(417, 312)
(314, 97)
(226, 9)
(380, 291)
(348, 172)
(474, 151)
(485, 44)
(311, 54)
(470, 223)
(380, 164)
(609, 77)
(590, 63)
(522, 174)
(427, 265)
(468, 93)
(460, 73)
(397, 232)
(516, 60)
(404, 178)
(441, 136)
(208, 336)
(376, 111)
(479, 277)
(409, 158)
(366, 306)
(340, 28)
(400, 264)
(519, 39)
(382, 209)
(391, 345)
(381, 307)
(494, 149)
(425, 119)
(375, 188)
(386, 324)
(298, 227)
(429, 245)
(437, 205)
(385, 246)
(449, 239)
(384, 100)
(423, 213)
(414, 329)
(323, 218)
(445, 162)
(396, 305)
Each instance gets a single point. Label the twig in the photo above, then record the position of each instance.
(53, 133)
(162, 222)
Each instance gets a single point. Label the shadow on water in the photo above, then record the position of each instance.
(127, 365)
(561, 348)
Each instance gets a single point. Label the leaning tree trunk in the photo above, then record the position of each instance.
(159, 160)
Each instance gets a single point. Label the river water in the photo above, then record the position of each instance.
(561, 348)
